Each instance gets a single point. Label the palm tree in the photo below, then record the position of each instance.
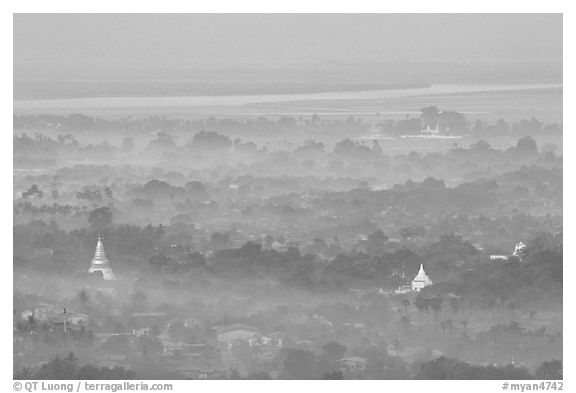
(436, 304)
(464, 325)
(397, 345)
(405, 303)
(426, 303)
(443, 327)
(405, 323)
(25, 373)
(83, 298)
(450, 325)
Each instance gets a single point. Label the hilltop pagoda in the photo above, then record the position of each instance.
(100, 262)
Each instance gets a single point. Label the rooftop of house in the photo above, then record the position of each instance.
(148, 314)
(235, 326)
(69, 315)
(353, 359)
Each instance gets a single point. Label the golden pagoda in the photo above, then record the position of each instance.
(100, 262)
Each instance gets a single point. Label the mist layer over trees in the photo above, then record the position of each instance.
(273, 247)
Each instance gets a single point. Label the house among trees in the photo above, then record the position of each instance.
(70, 320)
(352, 365)
(237, 332)
(41, 313)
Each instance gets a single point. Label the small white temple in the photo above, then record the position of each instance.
(428, 131)
(100, 262)
(421, 280)
(519, 250)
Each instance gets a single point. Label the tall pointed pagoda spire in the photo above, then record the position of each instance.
(421, 280)
(100, 262)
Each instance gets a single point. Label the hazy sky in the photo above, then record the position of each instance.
(187, 39)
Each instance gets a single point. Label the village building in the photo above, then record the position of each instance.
(237, 332)
(70, 320)
(275, 339)
(210, 371)
(352, 365)
(119, 344)
(111, 360)
(182, 349)
(41, 313)
(403, 289)
(147, 320)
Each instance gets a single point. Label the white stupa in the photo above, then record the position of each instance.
(421, 280)
(100, 262)
(429, 132)
(519, 250)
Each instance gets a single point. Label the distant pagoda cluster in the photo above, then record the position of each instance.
(100, 262)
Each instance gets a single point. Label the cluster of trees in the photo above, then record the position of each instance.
(302, 364)
(478, 163)
(530, 126)
(79, 122)
(539, 274)
(33, 192)
(328, 220)
(447, 368)
(455, 123)
(67, 367)
(447, 121)
(40, 149)
(168, 250)
(93, 195)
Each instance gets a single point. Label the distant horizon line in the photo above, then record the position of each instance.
(227, 63)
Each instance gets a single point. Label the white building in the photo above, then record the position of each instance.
(237, 333)
(421, 280)
(519, 250)
(100, 262)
